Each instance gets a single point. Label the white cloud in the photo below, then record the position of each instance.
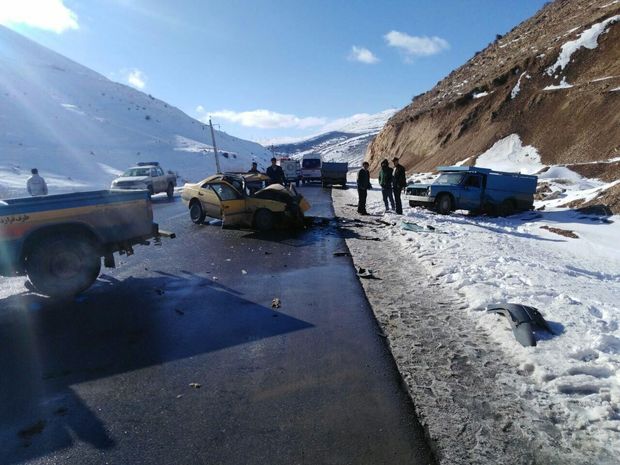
(413, 46)
(136, 78)
(363, 55)
(263, 119)
(51, 15)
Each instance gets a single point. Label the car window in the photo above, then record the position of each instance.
(473, 181)
(136, 172)
(160, 172)
(153, 172)
(311, 163)
(224, 191)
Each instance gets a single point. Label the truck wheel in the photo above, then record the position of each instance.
(63, 265)
(506, 208)
(151, 191)
(263, 220)
(444, 204)
(196, 213)
(170, 191)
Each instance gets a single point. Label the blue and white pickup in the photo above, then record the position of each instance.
(58, 240)
(475, 189)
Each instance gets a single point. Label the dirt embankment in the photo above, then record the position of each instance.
(501, 91)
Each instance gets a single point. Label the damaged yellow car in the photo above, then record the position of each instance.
(242, 200)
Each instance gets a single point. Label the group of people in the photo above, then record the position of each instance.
(392, 181)
(275, 172)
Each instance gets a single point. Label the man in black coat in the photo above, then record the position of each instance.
(399, 183)
(363, 184)
(275, 173)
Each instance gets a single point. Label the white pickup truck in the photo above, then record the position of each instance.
(147, 176)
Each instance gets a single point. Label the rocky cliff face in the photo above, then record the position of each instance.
(554, 80)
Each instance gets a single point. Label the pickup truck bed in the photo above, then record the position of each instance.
(58, 240)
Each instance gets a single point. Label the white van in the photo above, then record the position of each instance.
(311, 167)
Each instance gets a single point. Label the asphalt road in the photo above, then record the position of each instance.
(107, 377)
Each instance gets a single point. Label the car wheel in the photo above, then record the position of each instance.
(151, 191)
(263, 220)
(63, 265)
(196, 213)
(506, 208)
(170, 191)
(444, 204)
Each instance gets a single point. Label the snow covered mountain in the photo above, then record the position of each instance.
(343, 140)
(81, 130)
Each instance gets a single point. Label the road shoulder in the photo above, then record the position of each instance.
(471, 411)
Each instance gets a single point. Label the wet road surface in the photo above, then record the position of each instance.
(177, 357)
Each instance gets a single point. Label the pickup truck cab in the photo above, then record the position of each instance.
(475, 189)
(58, 240)
(147, 176)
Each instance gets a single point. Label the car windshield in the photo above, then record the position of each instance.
(449, 178)
(137, 172)
(311, 163)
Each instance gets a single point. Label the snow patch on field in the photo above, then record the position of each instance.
(562, 85)
(509, 154)
(587, 39)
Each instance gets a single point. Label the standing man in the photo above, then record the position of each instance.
(386, 178)
(254, 168)
(363, 184)
(399, 183)
(36, 184)
(275, 173)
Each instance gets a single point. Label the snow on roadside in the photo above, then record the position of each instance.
(587, 39)
(571, 378)
(509, 154)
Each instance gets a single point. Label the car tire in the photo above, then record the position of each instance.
(63, 265)
(170, 191)
(196, 212)
(506, 208)
(264, 220)
(444, 204)
(151, 191)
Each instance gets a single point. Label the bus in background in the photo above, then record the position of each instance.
(311, 167)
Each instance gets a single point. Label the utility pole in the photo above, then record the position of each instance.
(217, 158)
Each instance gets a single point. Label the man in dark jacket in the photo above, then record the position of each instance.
(399, 183)
(363, 184)
(254, 168)
(275, 173)
(386, 178)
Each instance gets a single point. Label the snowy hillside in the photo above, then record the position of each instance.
(81, 129)
(343, 140)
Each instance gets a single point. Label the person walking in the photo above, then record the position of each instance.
(399, 183)
(275, 173)
(363, 184)
(385, 180)
(36, 185)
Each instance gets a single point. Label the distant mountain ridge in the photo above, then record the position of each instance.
(81, 129)
(344, 140)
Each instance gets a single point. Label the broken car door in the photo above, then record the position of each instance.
(233, 205)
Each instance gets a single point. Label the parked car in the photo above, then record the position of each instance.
(475, 189)
(58, 240)
(311, 167)
(227, 197)
(148, 176)
(334, 173)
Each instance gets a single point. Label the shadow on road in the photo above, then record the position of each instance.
(116, 327)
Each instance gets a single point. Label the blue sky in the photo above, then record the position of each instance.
(267, 69)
